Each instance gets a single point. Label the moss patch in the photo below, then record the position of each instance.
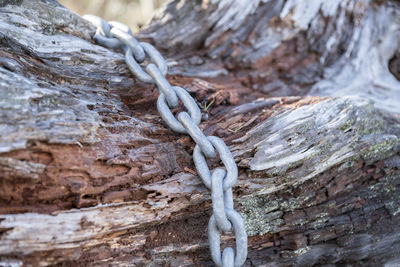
(384, 148)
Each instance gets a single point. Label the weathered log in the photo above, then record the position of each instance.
(90, 175)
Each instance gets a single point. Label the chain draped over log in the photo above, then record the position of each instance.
(117, 35)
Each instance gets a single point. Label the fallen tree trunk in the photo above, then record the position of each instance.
(90, 175)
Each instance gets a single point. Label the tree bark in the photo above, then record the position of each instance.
(305, 93)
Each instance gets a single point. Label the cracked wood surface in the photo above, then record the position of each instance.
(91, 176)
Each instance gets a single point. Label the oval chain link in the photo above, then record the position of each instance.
(189, 104)
(226, 157)
(117, 35)
(218, 199)
(129, 41)
(240, 234)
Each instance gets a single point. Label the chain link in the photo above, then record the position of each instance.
(226, 158)
(121, 26)
(163, 85)
(218, 199)
(129, 41)
(215, 239)
(189, 104)
(117, 35)
(197, 135)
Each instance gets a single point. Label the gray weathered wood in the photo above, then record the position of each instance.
(90, 175)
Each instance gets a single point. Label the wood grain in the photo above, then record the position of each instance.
(90, 175)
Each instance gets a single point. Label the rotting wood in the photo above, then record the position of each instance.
(90, 175)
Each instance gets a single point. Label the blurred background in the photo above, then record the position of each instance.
(134, 13)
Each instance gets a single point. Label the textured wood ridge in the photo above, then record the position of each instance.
(90, 175)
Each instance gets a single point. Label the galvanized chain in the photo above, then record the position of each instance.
(117, 35)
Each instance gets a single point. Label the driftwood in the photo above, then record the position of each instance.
(90, 175)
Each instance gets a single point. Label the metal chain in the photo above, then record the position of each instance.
(117, 35)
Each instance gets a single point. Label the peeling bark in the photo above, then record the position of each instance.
(90, 175)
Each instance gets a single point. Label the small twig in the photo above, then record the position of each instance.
(206, 107)
(186, 169)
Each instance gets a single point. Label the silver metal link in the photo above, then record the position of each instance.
(228, 199)
(121, 26)
(240, 234)
(102, 26)
(217, 197)
(156, 57)
(187, 101)
(201, 166)
(130, 42)
(137, 70)
(226, 158)
(112, 42)
(103, 35)
(163, 85)
(117, 35)
(197, 135)
(228, 257)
